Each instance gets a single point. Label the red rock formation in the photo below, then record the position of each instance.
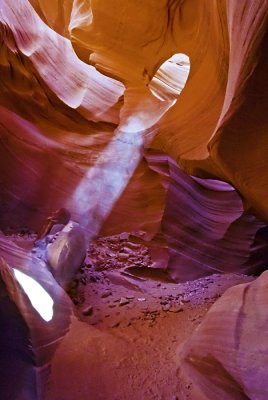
(65, 107)
(226, 357)
(27, 374)
(92, 119)
(205, 226)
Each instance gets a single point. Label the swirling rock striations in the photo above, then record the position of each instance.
(68, 112)
(205, 226)
(25, 363)
(94, 119)
(226, 357)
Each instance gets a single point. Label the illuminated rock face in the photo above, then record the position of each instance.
(35, 316)
(94, 116)
(75, 134)
(66, 254)
(226, 357)
(205, 226)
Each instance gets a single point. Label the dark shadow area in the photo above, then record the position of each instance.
(17, 374)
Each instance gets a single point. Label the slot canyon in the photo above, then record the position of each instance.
(133, 200)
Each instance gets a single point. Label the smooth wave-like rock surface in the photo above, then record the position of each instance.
(26, 356)
(145, 117)
(226, 357)
(74, 134)
(66, 112)
(205, 226)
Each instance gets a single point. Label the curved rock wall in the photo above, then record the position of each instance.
(74, 134)
(226, 357)
(91, 119)
(32, 341)
(205, 226)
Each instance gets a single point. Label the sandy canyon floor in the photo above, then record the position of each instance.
(129, 323)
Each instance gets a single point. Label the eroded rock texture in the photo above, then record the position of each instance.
(74, 133)
(146, 117)
(206, 227)
(28, 339)
(226, 357)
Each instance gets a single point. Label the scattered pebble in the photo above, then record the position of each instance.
(115, 324)
(123, 301)
(124, 236)
(87, 310)
(166, 307)
(185, 301)
(163, 302)
(105, 294)
(176, 310)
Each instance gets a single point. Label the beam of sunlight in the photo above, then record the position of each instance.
(39, 298)
(103, 183)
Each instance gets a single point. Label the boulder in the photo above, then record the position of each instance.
(66, 254)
